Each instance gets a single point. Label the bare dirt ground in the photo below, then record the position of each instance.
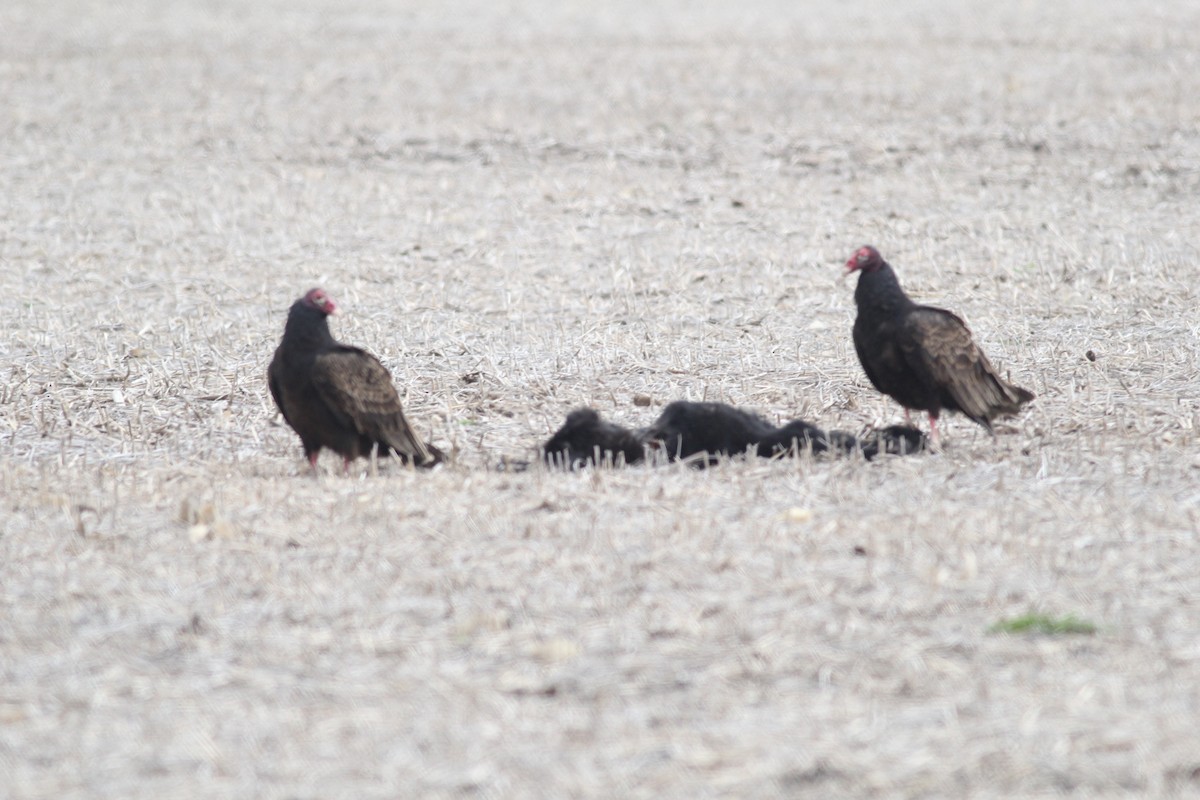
(528, 207)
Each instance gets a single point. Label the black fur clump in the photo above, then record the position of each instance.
(686, 430)
(585, 439)
(799, 436)
(894, 440)
(706, 431)
(703, 433)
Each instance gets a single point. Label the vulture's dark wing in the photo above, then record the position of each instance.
(358, 390)
(939, 344)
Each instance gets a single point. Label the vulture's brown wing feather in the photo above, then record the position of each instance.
(940, 344)
(359, 391)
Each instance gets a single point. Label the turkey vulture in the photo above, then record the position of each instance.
(337, 396)
(921, 356)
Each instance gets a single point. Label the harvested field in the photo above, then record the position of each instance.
(526, 207)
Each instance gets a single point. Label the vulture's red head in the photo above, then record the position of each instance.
(866, 259)
(316, 298)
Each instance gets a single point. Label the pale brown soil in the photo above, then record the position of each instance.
(528, 207)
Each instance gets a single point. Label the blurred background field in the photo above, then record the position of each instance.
(528, 207)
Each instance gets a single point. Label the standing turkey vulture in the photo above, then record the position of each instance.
(337, 396)
(923, 357)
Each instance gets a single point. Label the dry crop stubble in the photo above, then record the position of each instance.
(524, 210)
